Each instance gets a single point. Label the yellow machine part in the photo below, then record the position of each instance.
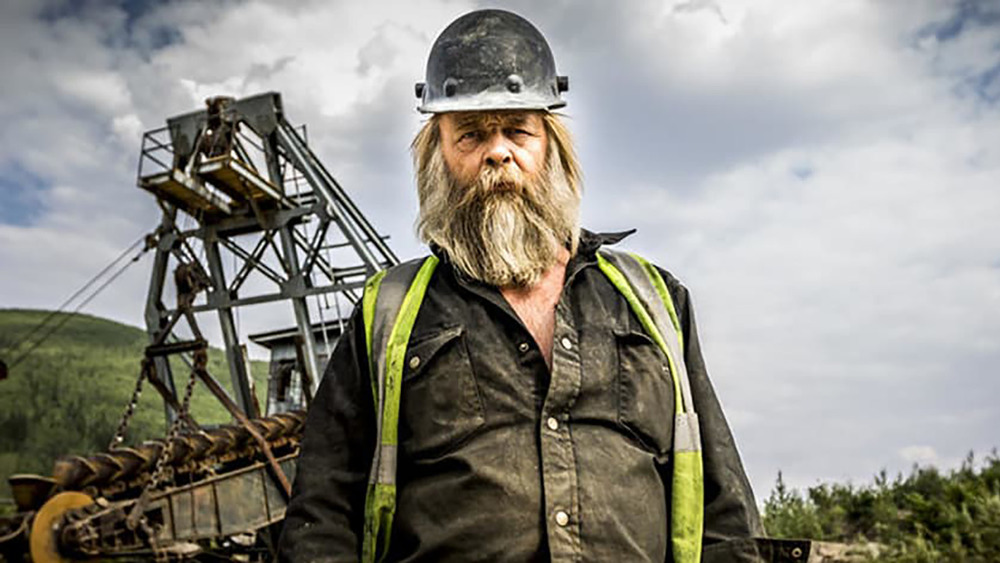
(42, 541)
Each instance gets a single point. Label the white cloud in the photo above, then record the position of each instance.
(923, 455)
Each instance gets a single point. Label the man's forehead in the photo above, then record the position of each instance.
(489, 119)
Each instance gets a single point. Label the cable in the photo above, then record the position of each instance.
(236, 310)
(322, 324)
(52, 314)
(340, 316)
(69, 316)
(319, 308)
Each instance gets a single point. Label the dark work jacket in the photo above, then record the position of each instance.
(483, 473)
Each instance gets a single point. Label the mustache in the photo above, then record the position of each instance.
(494, 181)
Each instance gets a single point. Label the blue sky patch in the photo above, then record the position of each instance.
(20, 195)
(966, 15)
(134, 32)
(803, 171)
(987, 84)
(163, 36)
(75, 9)
(976, 12)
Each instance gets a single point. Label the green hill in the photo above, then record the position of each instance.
(68, 396)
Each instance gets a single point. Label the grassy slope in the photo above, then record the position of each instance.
(68, 396)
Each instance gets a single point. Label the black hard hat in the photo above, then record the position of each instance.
(489, 60)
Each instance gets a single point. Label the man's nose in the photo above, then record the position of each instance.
(497, 151)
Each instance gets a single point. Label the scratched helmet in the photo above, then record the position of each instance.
(490, 60)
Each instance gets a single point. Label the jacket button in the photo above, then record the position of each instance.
(552, 423)
(523, 347)
(562, 518)
(566, 342)
(414, 362)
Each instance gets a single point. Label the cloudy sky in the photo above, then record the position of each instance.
(823, 175)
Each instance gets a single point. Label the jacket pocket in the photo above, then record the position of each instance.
(645, 391)
(440, 405)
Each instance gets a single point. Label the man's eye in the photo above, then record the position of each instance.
(517, 132)
(469, 136)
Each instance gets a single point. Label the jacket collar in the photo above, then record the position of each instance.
(591, 241)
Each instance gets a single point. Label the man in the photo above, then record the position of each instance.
(536, 413)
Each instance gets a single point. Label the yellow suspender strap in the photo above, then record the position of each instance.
(642, 286)
(384, 299)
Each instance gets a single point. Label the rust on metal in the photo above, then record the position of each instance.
(30, 491)
(191, 451)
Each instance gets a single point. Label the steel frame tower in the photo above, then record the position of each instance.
(261, 198)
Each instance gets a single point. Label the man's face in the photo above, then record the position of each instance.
(513, 141)
(494, 194)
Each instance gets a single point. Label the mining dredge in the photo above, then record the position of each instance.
(237, 184)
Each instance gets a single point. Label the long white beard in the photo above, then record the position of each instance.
(501, 229)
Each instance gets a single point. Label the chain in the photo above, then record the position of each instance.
(175, 428)
(123, 425)
(137, 517)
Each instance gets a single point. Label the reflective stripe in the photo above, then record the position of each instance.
(687, 435)
(661, 288)
(393, 290)
(368, 301)
(395, 354)
(642, 286)
(615, 265)
(655, 312)
(394, 294)
(368, 310)
(387, 464)
(383, 299)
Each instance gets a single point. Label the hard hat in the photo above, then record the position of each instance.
(490, 60)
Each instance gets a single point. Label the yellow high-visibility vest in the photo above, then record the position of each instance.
(396, 295)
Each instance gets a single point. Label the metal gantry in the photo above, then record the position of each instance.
(259, 197)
